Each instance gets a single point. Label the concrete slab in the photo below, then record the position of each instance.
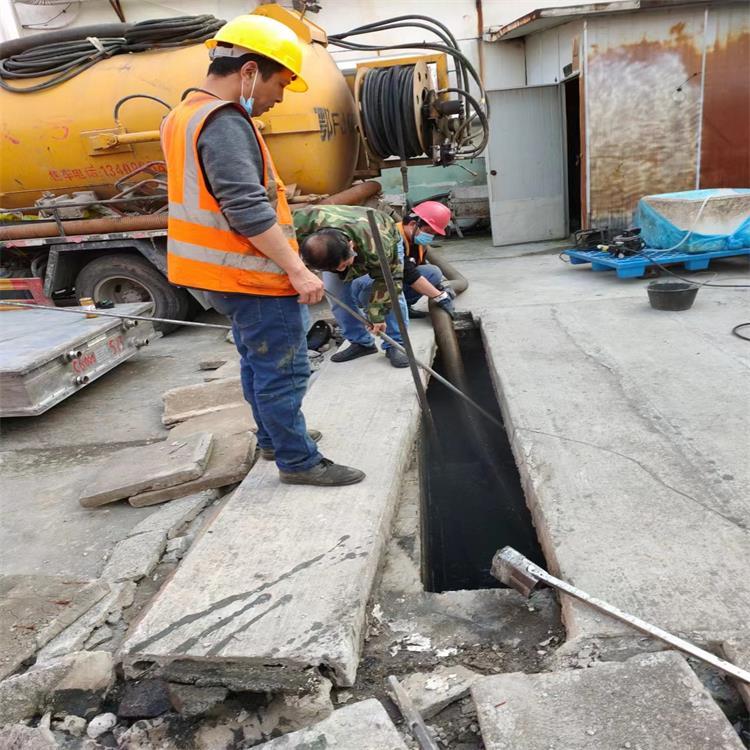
(738, 652)
(231, 458)
(159, 465)
(204, 398)
(294, 560)
(34, 609)
(629, 426)
(649, 701)
(230, 420)
(364, 726)
(227, 370)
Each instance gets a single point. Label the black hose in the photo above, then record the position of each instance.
(388, 115)
(100, 30)
(63, 59)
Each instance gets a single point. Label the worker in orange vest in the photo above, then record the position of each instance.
(230, 233)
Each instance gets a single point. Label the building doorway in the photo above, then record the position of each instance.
(572, 99)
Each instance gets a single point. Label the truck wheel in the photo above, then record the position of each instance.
(130, 278)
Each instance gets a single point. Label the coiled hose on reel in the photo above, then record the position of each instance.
(65, 59)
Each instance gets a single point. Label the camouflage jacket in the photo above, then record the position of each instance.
(352, 220)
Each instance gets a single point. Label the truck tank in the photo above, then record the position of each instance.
(46, 137)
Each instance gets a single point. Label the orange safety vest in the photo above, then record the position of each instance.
(203, 251)
(408, 246)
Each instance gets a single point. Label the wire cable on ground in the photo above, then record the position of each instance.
(64, 60)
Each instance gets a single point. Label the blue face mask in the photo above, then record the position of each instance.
(423, 238)
(247, 104)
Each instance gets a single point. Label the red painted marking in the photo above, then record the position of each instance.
(84, 362)
(9, 137)
(116, 345)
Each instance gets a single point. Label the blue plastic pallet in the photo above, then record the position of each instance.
(634, 266)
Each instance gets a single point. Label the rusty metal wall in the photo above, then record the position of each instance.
(643, 94)
(725, 136)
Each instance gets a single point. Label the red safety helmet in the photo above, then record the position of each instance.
(436, 215)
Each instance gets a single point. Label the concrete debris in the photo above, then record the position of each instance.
(135, 557)
(288, 712)
(737, 651)
(211, 364)
(364, 726)
(176, 549)
(71, 724)
(190, 401)
(145, 699)
(34, 609)
(74, 684)
(100, 725)
(649, 701)
(159, 465)
(190, 700)
(171, 518)
(227, 370)
(230, 420)
(74, 638)
(146, 734)
(21, 737)
(101, 635)
(231, 459)
(432, 691)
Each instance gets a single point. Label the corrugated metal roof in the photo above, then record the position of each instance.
(546, 18)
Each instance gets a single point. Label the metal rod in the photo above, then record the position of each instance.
(425, 367)
(396, 308)
(508, 561)
(411, 715)
(103, 314)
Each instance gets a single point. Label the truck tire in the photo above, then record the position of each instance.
(131, 278)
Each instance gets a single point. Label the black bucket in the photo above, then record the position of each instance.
(671, 295)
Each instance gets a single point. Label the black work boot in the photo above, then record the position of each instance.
(397, 358)
(353, 351)
(324, 474)
(270, 454)
(415, 314)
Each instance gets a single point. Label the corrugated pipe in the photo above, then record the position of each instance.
(40, 229)
(99, 30)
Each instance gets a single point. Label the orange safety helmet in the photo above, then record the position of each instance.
(436, 215)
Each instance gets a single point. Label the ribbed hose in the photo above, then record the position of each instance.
(388, 117)
(67, 58)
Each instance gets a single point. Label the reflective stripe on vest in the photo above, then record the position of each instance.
(203, 251)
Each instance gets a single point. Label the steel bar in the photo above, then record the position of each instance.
(513, 569)
(396, 308)
(411, 715)
(425, 367)
(106, 314)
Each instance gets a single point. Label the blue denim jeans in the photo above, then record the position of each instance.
(432, 273)
(356, 294)
(269, 335)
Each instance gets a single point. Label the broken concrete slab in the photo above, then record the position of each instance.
(309, 570)
(637, 498)
(737, 651)
(231, 459)
(74, 684)
(190, 401)
(36, 608)
(148, 467)
(651, 700)
(364, 726)
(135, 557)
(432, 691)
(229, 420)
(289, 712)
(173, 517)
(75, 636)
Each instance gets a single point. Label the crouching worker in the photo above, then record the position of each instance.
(418, 229)
(230, 233)
(338, 241)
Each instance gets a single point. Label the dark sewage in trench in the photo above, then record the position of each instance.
(472, 500)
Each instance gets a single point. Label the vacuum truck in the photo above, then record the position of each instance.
(82, 177)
